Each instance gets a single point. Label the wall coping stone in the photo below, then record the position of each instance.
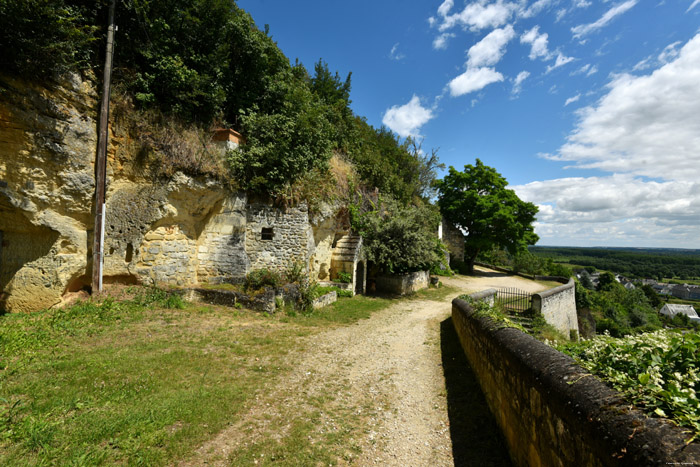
(549, 292)
(325, 300)
(616, 433)
(484, 294)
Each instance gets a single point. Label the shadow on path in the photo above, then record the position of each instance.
(478, 273)
(476, 439)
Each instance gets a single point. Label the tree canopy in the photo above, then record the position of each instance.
(206, 63)
(478, 202)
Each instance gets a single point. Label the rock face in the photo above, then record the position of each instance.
(176, 231)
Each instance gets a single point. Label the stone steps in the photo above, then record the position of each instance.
(519, 318)
(346, 248)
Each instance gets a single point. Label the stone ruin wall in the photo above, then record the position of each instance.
(453, 238)
(180, 231)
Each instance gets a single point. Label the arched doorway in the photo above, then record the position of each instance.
(360, 278)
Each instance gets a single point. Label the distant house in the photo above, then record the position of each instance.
(672, 310)
(686, 292)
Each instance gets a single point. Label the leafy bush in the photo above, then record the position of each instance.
(344, 277)
(296, 273)
(656, 371)
(260, 278)
(39, 38)
(308, 292)
(400, 239)
(282, 145)
(441, 267)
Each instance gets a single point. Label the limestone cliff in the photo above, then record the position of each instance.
(181, 230)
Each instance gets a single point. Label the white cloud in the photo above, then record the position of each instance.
(518, 82)
(645, 125)
(478, 15)
(693, 5)
(586, 69)
(395, 54)
(612, 13)
(538, 43)
(581, 3)
(643, 64)
(445, 7)
(616, 210)
(645, 132)
(406, 120)
(472, 80)
(571, 100)
(560, 61)
(440, 41)
(534, 8)
(489, 50)
(560, 14)
(670, 52)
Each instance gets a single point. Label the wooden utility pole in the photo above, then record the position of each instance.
(101, 162)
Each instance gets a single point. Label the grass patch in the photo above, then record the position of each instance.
(141, 382)
(148, 379)
(543, 331)
(344, 311)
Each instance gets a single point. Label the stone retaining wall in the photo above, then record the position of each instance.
(553, 412)
(558, 306)
(403, 284)
(325, 300)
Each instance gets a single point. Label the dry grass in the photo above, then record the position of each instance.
(343, 171)
(164, 143)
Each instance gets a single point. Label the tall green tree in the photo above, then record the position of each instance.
(478, 202)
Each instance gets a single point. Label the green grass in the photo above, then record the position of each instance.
(344, 311)
(147, 380)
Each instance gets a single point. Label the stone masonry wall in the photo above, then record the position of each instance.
(453, 238)
(553, 412)
(558, 306)
(292, 240)
(403, 284)
(221, 252)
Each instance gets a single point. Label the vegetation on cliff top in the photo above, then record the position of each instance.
(205, 63)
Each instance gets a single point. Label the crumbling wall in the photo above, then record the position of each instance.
(453, 238)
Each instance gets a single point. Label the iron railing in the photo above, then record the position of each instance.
(512, 299)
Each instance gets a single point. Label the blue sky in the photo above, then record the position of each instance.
(589, 108)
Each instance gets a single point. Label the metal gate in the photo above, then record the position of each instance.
(512, 299)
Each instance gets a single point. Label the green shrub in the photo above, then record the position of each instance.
(259, 278)
(400, 239)
(296, 273)
(656, 371)
(344, 277)
(39, 38)
(308, 292)
(343, 293)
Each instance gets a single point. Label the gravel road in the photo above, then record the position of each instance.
(392, 367)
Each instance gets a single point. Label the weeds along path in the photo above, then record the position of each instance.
(372, 393)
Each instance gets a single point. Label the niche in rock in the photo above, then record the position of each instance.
(21, 242)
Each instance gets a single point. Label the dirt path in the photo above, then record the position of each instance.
(386, 371)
